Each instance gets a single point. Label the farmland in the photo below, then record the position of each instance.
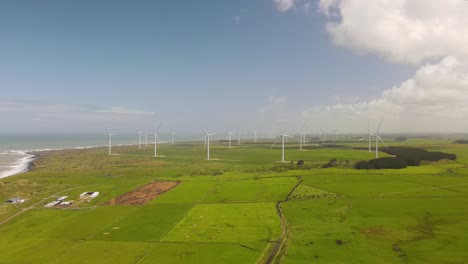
(243, 207)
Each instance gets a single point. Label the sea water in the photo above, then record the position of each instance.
(14, 149)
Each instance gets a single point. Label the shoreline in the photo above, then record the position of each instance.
(25, 163)
(21, 165)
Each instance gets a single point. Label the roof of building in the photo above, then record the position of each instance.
(14, 199)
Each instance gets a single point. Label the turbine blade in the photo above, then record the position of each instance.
(381, 140)
(276, 141)
(378, 128)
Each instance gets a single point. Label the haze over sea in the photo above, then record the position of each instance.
(14, 148)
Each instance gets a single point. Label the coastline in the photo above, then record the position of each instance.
(21, 165)
(26, 163)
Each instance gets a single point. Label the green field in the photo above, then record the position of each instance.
(243, 207)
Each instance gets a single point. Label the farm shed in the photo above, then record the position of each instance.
(15, 200)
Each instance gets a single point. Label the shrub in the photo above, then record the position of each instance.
(414, 156)
(381, 163)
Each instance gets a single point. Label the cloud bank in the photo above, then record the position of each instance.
(429, 33)
(71, 118)
(284, 5)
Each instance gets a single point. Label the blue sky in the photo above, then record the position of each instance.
(213, 63)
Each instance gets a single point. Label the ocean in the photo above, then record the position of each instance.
(14, 157)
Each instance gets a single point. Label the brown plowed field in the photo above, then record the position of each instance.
(143, 194)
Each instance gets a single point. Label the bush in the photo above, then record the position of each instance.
(461, 141)
(404, 156)
(381, 163)
(401, 139)
(414, 156)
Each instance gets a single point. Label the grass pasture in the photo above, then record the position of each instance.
(225, 210)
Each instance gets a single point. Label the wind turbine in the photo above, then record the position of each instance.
(377, 139)
(156, 138)
(238, 138)
(110, 141)
(301, 138)
(229, 133)
(139, 139)
(172, 136)
(207, 139)
(282, 136)
(324, 136)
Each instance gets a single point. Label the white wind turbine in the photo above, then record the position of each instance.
(139, 139)
(283, 136)
(156, 138)
(229, 133)
(324, 136)
(172, 136)
(238, 138)
(207, 140)
(301, 138)
(110, 141)
(377, 139)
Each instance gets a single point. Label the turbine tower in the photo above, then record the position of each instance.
(172, 136)
(238, 138)
(207, 139)
(229, 133)
(283, 136)
(139, 139)
(109, 135)
(301, 138)
(324, 136)
(156, 138)
(377, 139)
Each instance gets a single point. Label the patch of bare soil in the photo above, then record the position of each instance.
(377, 232)
(143, 194)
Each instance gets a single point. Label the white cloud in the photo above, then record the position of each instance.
(407, 31)
(69, 117)
(433, 100)
(284, 5)
(124, 111)
(277, 99)
(9, 107)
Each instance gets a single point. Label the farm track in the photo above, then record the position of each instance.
(284, 226)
